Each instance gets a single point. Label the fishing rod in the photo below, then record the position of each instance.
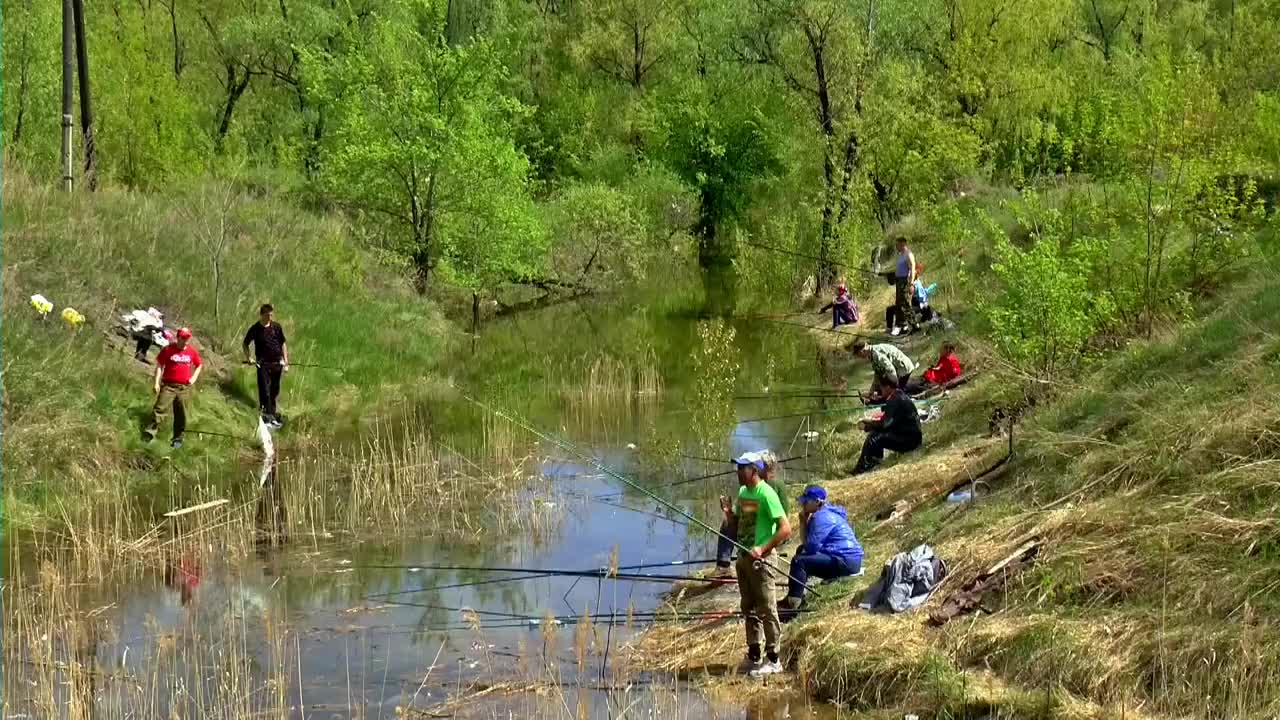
(829, 261)
(219, 434)
(530, 622)
(807, 413)
(620, 506)
(621, 478)
(709, 476)
(797, 396)
(300, 365)
(614, 615)
(534, 573)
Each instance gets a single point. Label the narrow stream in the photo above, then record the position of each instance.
(375, 629)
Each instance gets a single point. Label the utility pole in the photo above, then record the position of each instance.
(86, 107)
(67, 23)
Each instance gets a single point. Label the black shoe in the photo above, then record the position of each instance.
(147, 437)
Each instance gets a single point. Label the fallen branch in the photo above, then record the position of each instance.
(992, 579)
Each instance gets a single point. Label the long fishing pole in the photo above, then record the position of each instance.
(591, 460)
(601, 618)
(709, 476)
(531, 622)
(218, 434)
(797, 396)
(831, 262)
(303, 365)
(534, 573)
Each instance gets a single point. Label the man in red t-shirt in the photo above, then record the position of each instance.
(177, 369)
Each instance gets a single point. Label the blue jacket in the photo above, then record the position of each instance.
(829, 532)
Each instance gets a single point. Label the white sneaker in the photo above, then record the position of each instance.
(748, 666)
(895, 332)
(768, 668)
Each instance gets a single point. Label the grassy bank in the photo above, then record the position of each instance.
(74, 401)
(1149, 481)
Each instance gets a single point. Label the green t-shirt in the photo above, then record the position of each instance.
(758, 511)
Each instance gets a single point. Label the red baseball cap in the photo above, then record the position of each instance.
(184, 333)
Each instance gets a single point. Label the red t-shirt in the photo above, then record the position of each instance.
(947, 369)
(178, 365)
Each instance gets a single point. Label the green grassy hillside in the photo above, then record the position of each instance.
(74, 401)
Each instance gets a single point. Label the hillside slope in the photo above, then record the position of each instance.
(1150, 485)
(74, 401)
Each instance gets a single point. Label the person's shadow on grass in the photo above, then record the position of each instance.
(236, 392)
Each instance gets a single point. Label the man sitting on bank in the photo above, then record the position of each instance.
(898, 429)
(830, 548)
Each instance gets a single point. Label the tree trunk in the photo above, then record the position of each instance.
(719, 279)
(23, 66)
(86, 104)
(826, 271)
(236, 86)
(423, 236)
(178, 63)
(475, 313)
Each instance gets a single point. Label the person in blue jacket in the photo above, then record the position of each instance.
(830, 548)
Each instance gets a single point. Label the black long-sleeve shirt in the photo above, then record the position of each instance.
(268, 342)
(900, 417)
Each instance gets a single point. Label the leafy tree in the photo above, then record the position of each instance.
(426, 151)
(826, 53)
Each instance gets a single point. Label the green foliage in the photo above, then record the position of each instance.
(454, 134)
(426, 152)
(1046, 309)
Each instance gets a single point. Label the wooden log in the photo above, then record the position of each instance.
(196, 508)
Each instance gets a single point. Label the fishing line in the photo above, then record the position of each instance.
(625, 480)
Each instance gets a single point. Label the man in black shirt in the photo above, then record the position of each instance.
(898, 430)
(267, 338)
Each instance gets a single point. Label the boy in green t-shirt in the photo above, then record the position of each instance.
(762, 526)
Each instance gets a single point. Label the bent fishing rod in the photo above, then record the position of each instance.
(601, 467)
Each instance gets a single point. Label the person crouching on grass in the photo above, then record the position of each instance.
(897, 430)
(177, 369)
(762, 526)
(830, 548)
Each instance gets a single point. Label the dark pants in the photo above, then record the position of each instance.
(724, 543)
(877, 442)
(903, 314)
(819, 565)
(843, 315)
(268, 386)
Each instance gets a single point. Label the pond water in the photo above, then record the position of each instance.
(335, 627)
